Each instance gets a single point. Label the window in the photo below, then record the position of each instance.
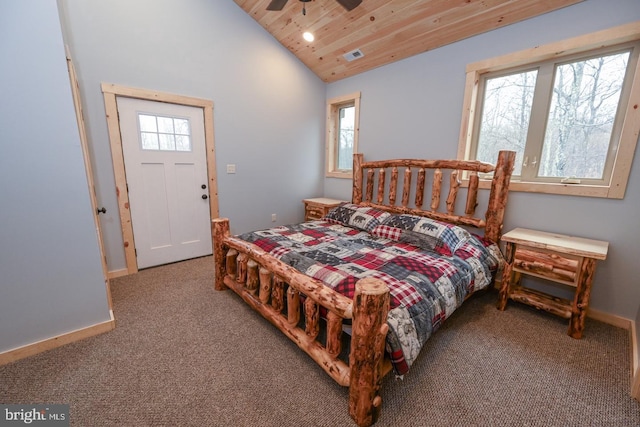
(566, 109)
(164, 133)
(342, 134)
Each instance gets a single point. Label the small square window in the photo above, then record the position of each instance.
(164, 133)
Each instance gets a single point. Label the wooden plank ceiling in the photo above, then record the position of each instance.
(384, 30)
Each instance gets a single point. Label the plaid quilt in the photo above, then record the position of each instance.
(427, 282)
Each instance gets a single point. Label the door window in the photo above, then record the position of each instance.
(164, 133)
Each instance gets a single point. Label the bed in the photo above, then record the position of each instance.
(362, 289)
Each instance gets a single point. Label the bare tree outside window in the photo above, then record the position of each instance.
(586, 95)
(570, 135)
(567, 108)
(346, 135)
(505, 116)
(164, 133)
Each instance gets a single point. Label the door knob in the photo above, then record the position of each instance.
(103, 210)
(203, 186)
(205, 197)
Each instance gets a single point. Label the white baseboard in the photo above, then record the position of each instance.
(57, 341)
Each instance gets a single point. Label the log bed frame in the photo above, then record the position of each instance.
(273, 288)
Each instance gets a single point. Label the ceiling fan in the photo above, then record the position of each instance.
(347, 4)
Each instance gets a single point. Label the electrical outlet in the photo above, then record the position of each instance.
(273, 217)
(231, 168)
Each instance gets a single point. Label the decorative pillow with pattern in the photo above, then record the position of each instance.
(425, 233)
(356, 216)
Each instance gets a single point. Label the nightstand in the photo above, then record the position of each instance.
(319, 207)
(568, 260)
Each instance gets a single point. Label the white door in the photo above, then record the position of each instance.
(166, 169)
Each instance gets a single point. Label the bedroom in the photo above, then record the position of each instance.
(256, 86)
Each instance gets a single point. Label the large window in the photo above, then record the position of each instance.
(342, 134)
(569, 116)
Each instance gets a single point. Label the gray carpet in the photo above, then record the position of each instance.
(183, 354)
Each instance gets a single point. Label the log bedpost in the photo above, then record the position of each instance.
(312, 318)
(435, 189)
(277, 294)
(420, 188)
(370, 175)
(219, 231)
(265, 285)
(454, 185)
(406, 187)
(293, 306)
(499, 193)
(472, 194)
(393, 186)
(381, 179)
(232, 260)
(252, 277)
(369, 330)
(356, 196)
(241, 270)
(334, 333)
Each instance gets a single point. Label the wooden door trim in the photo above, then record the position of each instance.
(110, 92)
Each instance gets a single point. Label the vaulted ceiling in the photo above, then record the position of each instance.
(384, 31)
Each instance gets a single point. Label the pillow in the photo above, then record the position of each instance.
(425, 233)
(356, 216)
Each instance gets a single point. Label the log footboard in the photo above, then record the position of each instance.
(274, 290)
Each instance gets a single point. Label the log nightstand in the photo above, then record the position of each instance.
(319, 207)
(563, 259)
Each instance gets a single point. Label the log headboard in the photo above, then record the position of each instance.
(385, 174)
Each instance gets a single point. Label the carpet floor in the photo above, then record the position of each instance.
(183, 354)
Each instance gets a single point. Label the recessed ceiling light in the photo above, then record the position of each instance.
(308, 36)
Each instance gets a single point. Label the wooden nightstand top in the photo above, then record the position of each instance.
(579, 246)
(323, 201)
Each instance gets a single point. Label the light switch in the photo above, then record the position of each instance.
(231, 168)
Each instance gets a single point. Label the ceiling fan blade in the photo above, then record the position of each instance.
(277, 4)
(349, 4)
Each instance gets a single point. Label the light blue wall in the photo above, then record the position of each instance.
(51, 279)
(413, 108)
(268, 107)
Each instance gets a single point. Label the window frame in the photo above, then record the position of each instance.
(332, 133)
(627, 138)
(157, 132)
